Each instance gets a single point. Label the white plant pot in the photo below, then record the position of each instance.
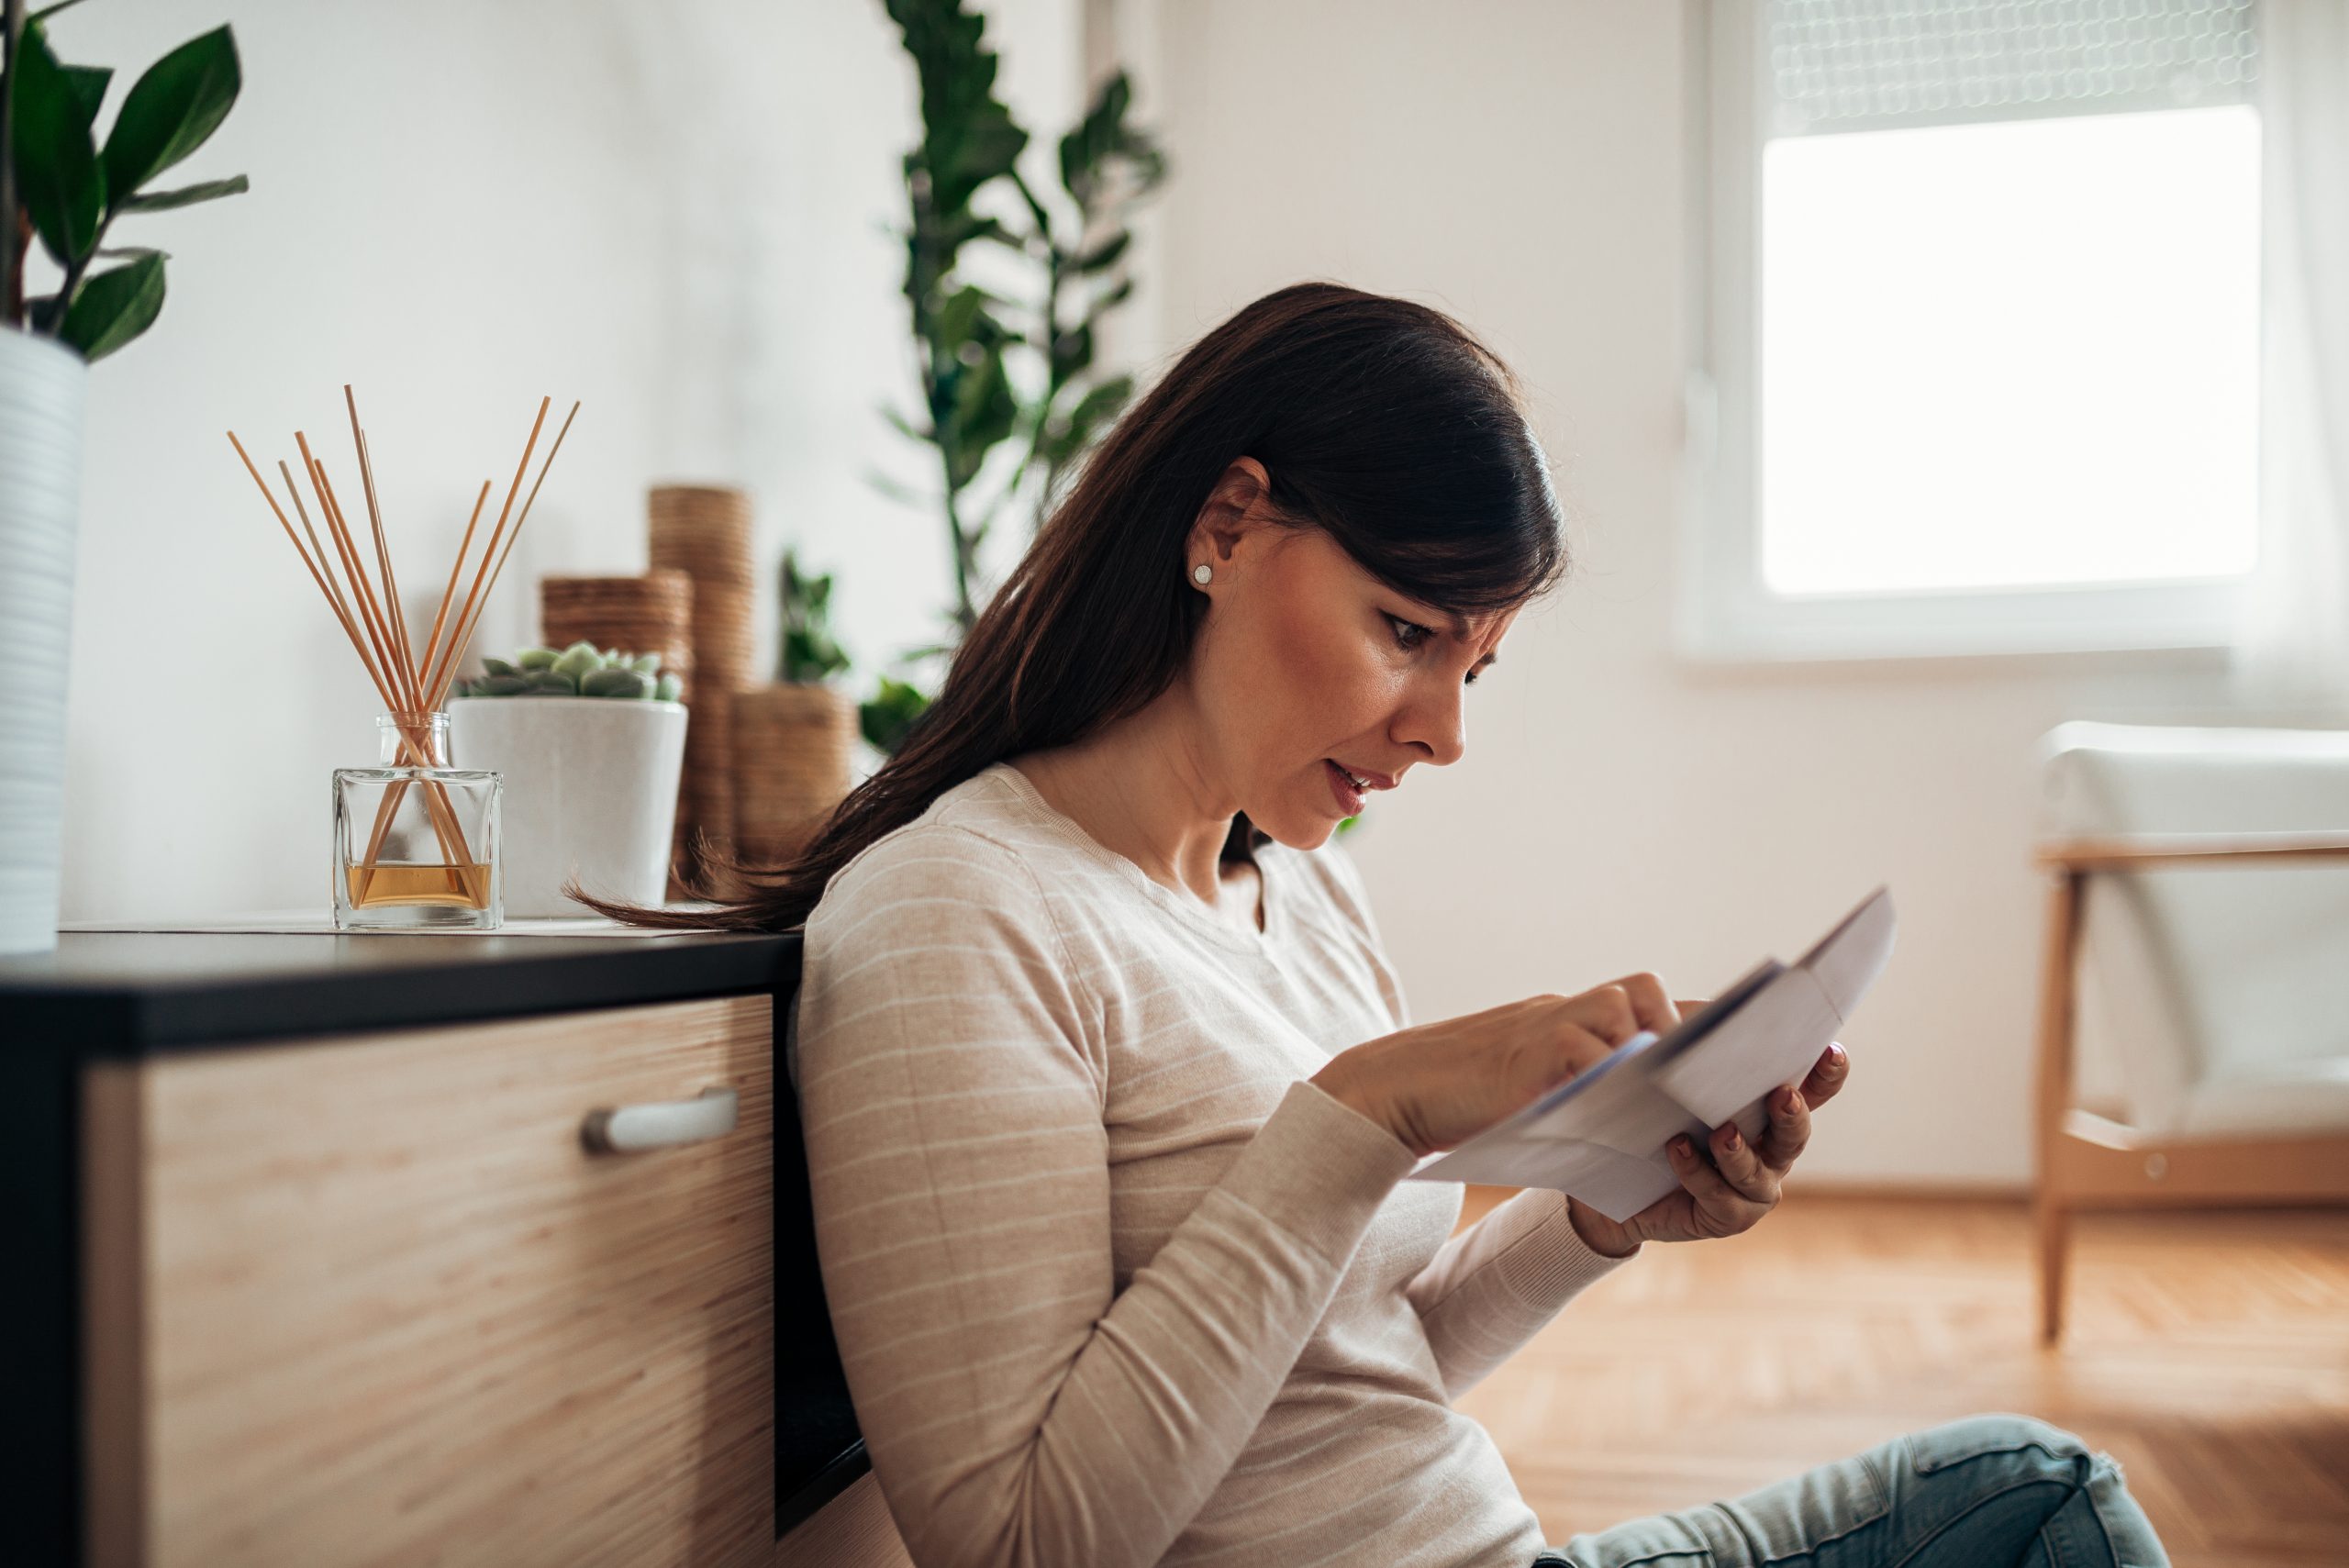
(41, 386)
(590, 788)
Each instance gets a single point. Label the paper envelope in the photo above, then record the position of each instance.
(1600, 1135)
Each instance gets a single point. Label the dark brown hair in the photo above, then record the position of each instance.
(1380, 421)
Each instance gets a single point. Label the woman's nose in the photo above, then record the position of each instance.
(1436, 724)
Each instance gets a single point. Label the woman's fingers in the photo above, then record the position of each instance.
(1651, 1007)
(1828, 1074)
(1789, 1126)
(1579, 1048)
(1724, 1209)
(1790, 1107)
(1741, 1164)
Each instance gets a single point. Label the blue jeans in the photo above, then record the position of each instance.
(1986, 1492)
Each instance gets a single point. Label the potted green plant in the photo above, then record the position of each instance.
(591, 742)
(998, 373)
(794, 739)
(63, 185)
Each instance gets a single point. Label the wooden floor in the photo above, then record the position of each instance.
(2209, 1354)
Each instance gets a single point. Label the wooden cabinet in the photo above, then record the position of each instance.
(373, 1300)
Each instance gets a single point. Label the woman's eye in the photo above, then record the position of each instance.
(1408, 634)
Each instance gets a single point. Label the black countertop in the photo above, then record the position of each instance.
(130, 994)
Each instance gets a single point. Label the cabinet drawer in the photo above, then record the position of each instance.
(373, 1300)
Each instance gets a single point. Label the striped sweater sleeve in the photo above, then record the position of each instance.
(1494, 1285)
(1017, 1409)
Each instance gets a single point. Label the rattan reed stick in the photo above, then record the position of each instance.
(480, 573)
(410, 718)
(376, 622)
(375, 523)
(437, 681)
(342, 606)
(334, 601)
(432, 642)
(413, 720)
(439, 690)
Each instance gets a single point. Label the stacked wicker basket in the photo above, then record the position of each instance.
(793, 744)
(764, 763)
(704, 531)
(651, 614)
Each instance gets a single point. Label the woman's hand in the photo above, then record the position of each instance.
(1439, 1084)
(1729, 1184)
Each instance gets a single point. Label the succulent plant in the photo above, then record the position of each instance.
(582, 670)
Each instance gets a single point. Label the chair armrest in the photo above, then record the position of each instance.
(2181, 848)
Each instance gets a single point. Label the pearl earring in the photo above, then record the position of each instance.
(1202, 574)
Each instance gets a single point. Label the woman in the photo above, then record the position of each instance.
(1109, 1087)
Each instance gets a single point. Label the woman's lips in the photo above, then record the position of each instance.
(1350, 800)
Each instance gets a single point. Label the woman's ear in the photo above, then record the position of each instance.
(1238, 504)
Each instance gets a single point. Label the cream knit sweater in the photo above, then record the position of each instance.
(1113, 1285)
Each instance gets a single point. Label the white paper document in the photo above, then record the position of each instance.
(1601, 1135)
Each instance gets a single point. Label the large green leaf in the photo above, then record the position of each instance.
(115, 307)
(891, 712)
(1109, 300)
(1103, 143)
(186, 195)
(1095, 136)
(905, 426)
(808, 650)
(1104, 256)
(984, 413)
(58, 176)
(1072, 353)
(89, 87)
(172, 109)
(968, 135)
(1066, 433)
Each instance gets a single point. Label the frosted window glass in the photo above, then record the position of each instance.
(1838, 65)
(2010, 353)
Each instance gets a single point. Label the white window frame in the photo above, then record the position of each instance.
(1724, 612)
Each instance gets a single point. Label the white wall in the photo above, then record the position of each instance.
(1520, 162)
(675, 214)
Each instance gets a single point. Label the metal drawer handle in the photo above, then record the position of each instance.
(664, 1124)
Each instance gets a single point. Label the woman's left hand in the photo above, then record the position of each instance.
(1728, 1185)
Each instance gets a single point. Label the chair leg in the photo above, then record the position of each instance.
(2054, 1245)
(2053, 1093)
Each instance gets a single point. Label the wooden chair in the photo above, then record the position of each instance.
(2091, 1161)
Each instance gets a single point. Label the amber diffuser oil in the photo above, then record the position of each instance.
(414, 840)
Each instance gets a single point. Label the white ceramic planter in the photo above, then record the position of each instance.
(590, 788)
(41, 385)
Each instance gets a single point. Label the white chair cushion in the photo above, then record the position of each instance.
(2221, 992)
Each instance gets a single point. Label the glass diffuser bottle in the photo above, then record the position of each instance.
(415, 840)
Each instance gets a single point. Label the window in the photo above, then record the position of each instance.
(1982, 329)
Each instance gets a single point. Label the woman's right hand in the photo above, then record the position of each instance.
(1439, 1084)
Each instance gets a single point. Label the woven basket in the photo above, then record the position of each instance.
(705, 531)
(650, 614)
(793, 745)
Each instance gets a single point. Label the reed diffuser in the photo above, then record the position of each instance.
(426, 857)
